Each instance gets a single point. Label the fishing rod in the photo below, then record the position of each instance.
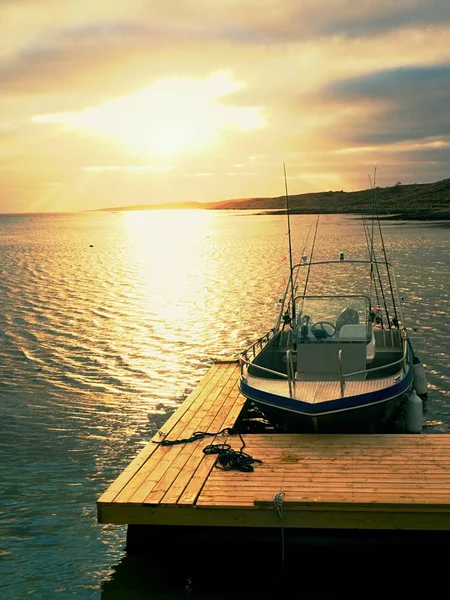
(311, 257)
(372, 277)
(294, 288)
(309, 264)
(283, 299)
(304, 250)
(376, 215)
(368, 244)
(290, 243)
(388, 271)
(371, 253)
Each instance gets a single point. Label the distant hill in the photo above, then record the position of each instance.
(426, 200)
(415, 201)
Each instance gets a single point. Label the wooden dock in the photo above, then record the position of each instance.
(321, 481)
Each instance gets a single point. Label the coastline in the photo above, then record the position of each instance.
(397, 216)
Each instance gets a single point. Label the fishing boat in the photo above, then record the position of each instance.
(339, 358)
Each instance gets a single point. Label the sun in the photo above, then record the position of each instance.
(172, 116)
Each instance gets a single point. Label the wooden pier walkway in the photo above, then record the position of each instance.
(381, 482)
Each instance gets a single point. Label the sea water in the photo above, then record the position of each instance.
(109, 319)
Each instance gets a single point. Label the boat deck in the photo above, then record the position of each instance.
(314, 388)
(380, 481)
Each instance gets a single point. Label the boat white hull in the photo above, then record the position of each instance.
(353, 414)
(367, 419)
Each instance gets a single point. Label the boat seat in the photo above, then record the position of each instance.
(347, 316)
(321, 357)
(353, 333)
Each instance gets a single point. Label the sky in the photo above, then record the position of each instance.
(107, 103)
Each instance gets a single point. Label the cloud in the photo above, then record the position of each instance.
(91, 48)
(96, 57)
(402, 104)
(342, 86)
(45, 66)
(394, 83)
(29, 25)
(278, 22)
(367, 18)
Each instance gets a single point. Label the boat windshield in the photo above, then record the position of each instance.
(332, 318)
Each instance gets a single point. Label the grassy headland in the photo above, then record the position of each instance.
(415, 201)
(424, 201)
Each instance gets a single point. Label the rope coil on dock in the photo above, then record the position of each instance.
(227, 458)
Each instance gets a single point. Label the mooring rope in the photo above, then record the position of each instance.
(227, 458)
(278, 503)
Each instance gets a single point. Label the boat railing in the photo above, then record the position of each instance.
(246, 356)
(260, 343)
(343, 377)
(402, 361)
(245, 362)
(290, 372)
(341, 372)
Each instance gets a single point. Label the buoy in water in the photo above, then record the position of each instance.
(414, 413)
(420, 380)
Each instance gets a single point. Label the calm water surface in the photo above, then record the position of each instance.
(108, 321)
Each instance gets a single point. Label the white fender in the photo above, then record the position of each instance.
(414, 413)
(420, 379)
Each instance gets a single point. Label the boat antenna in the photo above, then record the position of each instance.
(373, 259)
(311, 257)
(372, 185)
(372, 275)
(388, 272)
(290, 243)
(303, 253)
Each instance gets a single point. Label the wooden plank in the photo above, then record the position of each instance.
(347, 483)
(209, 398)
(135, 468)
(171, 486)
(225, 418)
(363, 503)
(348, 441)
(198, 463)
(187, 403)
(377, 476)
(121, 481)
(341, 494)
(319, 516)
(333, 499)
(324, 466)
(163, 465)
(221, 420)
(328, 480)
(186, 486)
(196, 483)
(189, 422)
(149, 474)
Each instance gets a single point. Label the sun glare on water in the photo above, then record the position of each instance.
(164, 246)
(170, 117)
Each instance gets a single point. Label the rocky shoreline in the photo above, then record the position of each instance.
(398, 216)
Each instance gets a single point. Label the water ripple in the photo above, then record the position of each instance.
(100, 344)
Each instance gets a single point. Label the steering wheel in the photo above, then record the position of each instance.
(320, 332)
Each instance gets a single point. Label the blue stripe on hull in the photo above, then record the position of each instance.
(346, 404)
